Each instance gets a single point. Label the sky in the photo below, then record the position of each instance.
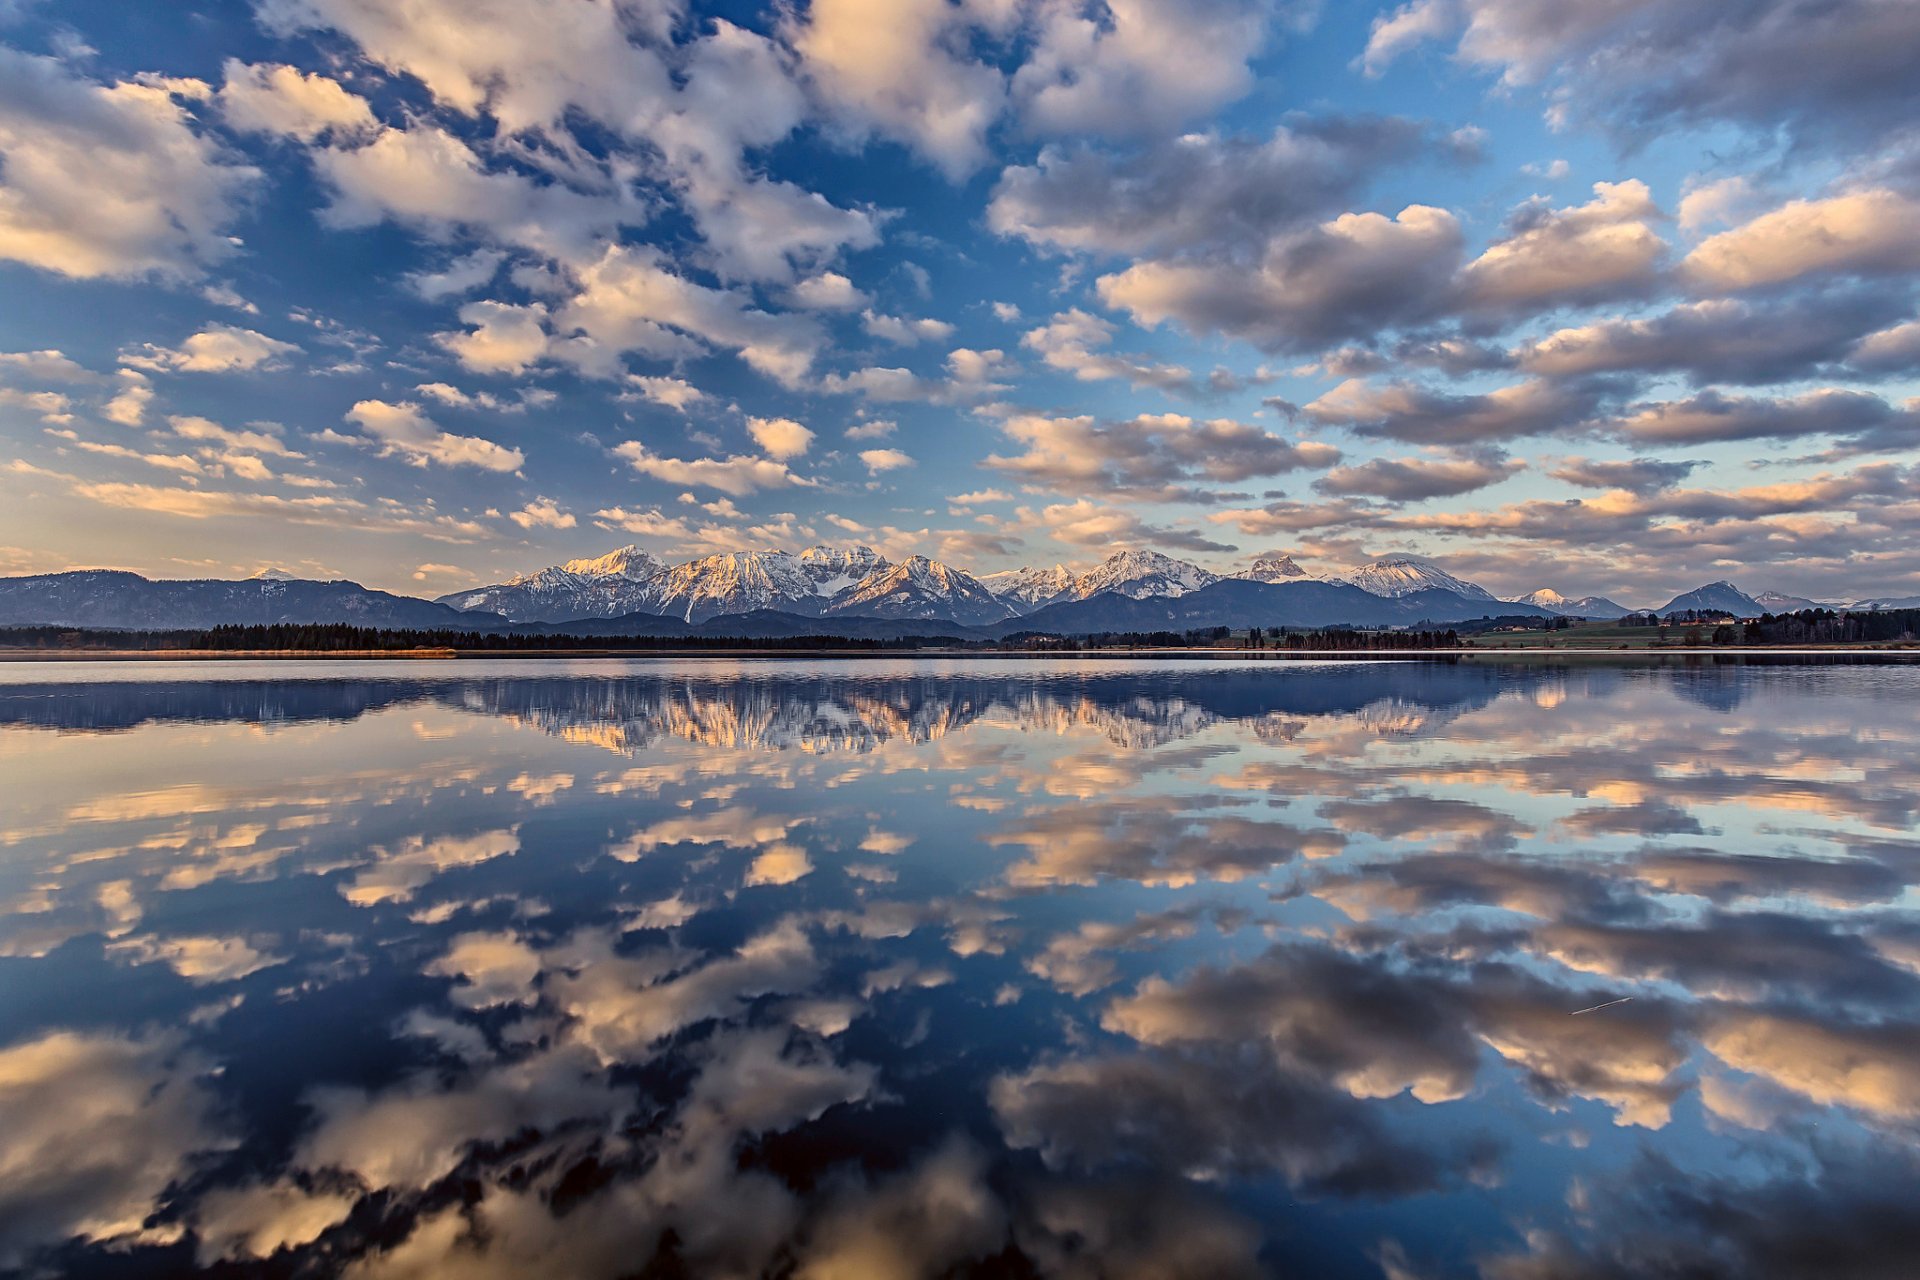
(1608, 296)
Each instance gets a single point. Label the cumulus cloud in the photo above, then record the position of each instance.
(218, 348)
(275, 98)
(1604, 249)
(1153, 457)
(1419, 415)
(1073, 342)
(903, 331)
(879, 460)
(1635, 475)
(1196, 191)
(780, 438)
(109, 180)
(542, 513)
(1347, 278)
(738, 475)
(674, 393)
(1858, 233)
(1714, 416)
(1417, 479)
(403, 430)
(500, 337)
(1086, 523)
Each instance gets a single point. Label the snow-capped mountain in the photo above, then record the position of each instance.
(1274, 566)
(1401, 576)
(1781, 602)
(599, 587)
(1572, 607)
(921, 588)
(1888, 602)
(1029, 589)
(834, 569)
(1139, 575)
(737, 582)
(1715, 597)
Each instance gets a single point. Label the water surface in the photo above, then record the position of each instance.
(1517, 970)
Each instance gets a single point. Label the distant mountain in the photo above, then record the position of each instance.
(114, 599)
(1715, 597)
(1582, 607)
(1403, 576)
(1029, 589)
(1274, 566)
(921, 588)
(1780, 602)
(1889, 602)
(1241, 602)
(1140, 575)
(602, 587)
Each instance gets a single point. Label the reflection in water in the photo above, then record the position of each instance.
(1515, 971)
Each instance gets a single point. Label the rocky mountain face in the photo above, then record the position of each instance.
(1274, 566)
(1029, 589)
(921, 588)
(1402, 576)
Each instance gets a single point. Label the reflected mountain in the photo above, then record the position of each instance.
(1505, 971)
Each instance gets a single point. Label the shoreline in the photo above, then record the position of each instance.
(1014, 655)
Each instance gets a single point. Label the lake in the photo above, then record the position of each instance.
(1524, 970)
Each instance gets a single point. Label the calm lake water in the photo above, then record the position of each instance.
(1402, 970)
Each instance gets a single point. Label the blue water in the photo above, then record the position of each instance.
(1518, 969)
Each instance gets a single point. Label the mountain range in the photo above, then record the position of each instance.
(854, 591)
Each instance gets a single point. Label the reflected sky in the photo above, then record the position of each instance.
(1401, 970)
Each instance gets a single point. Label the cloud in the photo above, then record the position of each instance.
(1130, 67)
(890, 67)
(275, 98)
(1713, 416)
(1635, 475)
(1418, 415)
(109, 180)
(905, 332)
(738, 476)
(1861, 233)
(780, 438)
(542, 513)
(500, 338)
(879, 460)
(1347, 278)
(1071, 343)
(1085, 523)
(1153, 457)
(1891, 350)
(405, 431)
(674, 393)
(1394, 33)
(1596, 252)
(218, 348)
(828, 291)
(1417, 479)
(1722, 339)
(1197, 192)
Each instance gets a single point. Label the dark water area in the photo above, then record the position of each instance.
(1406, 970)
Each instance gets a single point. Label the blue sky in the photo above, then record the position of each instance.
(1611, 297)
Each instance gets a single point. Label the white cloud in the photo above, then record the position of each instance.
(1858, 233)
(738, 475)
(879, 460)
(405, 431)
(542, 513)
(674, 393)
(1395, 33)
(905, 332)
(218, 348)
(108, 180)
(828, 291)
(780, 438)
(501, 337)
(274, 98)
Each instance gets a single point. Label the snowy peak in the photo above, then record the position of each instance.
(1030, 588)
(274, 575)
(1582, 607)
(1140, 575)
(1781, 602)
(628, 562)
(1274, 566)
(834, 569)
(921, 588)
(1403, 576)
